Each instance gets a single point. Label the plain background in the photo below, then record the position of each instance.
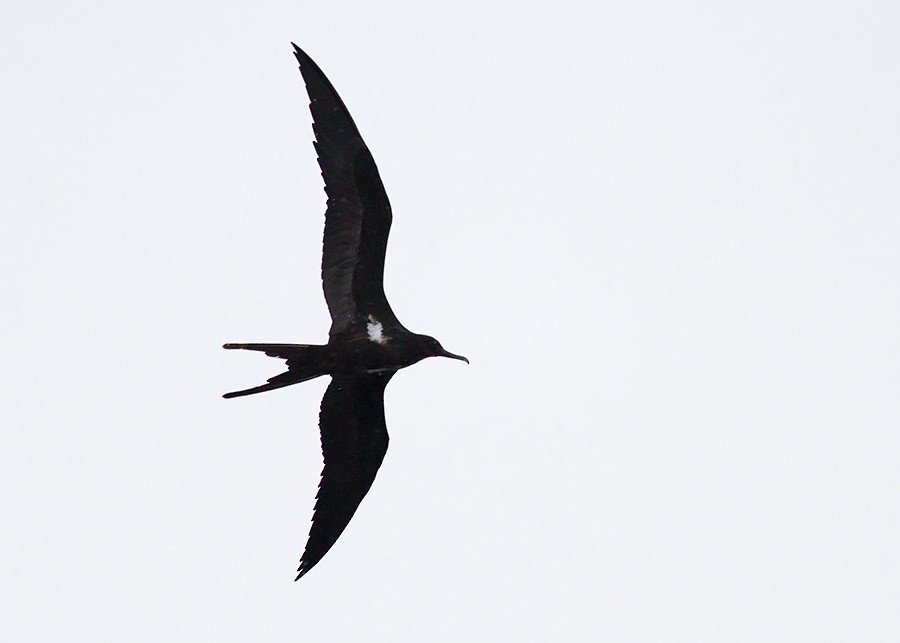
(666, 235)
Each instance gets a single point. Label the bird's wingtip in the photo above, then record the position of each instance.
(299, 54)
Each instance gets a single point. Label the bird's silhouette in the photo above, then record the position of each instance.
(366, 343)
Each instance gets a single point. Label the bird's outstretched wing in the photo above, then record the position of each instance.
(354, 441)
(358, 216)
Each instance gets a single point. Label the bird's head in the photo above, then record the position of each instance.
(431, 347)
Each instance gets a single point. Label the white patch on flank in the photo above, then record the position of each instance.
(375, 329)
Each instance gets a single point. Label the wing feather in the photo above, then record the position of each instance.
(358, 215)
(354, 441)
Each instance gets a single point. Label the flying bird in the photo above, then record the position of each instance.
(367, 344)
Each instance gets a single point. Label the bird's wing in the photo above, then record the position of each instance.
(358, 216)
(354, 441)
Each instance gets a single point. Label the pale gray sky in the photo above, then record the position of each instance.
(665, 234)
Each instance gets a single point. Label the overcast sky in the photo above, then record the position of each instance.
(665, 234)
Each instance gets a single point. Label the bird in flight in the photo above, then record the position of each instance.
(367, 344)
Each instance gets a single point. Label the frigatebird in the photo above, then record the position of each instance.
(367, 344)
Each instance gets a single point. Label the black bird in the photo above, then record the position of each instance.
(366, 343)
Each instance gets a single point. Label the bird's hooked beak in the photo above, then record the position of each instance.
(446, 353)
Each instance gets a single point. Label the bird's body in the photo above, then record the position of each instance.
(366, 344)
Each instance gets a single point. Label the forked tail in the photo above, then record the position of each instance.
(304, 362)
